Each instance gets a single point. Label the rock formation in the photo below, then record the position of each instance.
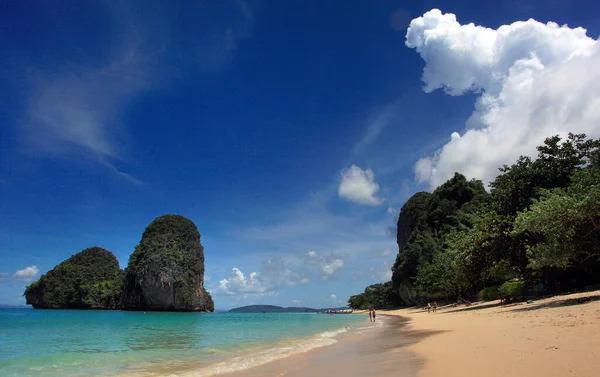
(413, 212)
(90, 279)
(166, 270)
(425, 220)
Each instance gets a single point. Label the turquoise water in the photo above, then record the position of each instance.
(84, 343)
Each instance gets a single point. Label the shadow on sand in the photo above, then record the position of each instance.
(558, 303)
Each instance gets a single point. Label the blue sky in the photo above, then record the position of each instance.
(290, 132)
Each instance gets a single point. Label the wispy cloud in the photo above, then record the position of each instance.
(384, 253)
(375, 126)
(77, 108)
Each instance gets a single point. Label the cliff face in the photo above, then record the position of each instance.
(166, 270)
(413, 212)
(424, 222)
(90, 279)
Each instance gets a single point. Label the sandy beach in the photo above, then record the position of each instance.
(558, 336)
(381, 349)
(553, 337)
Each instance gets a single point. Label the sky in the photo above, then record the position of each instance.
(290, 132)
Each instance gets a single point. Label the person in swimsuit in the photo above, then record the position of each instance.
(374, 315)
(371, 315)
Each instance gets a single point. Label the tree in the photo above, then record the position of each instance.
(514, 190)
(376, 295)
(90, 279)
(563, 226)
(442, 278)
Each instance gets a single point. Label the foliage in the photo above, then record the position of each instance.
(563, 226)
(441, 278)
(169, 261)
(540, 224)
(376, 295)
(426, 220)
(512, 289)
(490, 293)
(90, 279)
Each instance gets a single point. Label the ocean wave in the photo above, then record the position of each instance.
(266, 356)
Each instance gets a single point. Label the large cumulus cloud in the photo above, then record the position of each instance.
(533, 80)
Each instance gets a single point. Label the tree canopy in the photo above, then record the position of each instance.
(539, 226)
(90, 279)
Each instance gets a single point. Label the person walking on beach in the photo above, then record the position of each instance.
(374, 315)
(435, 306)
(370, 315)
(428, 307)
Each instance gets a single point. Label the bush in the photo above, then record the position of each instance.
(490, 293)
(512, 289)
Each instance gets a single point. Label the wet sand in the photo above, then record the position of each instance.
(553, 337)
(382, 350)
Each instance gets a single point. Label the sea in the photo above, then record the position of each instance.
(117, 343)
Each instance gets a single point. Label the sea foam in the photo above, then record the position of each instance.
(255, 359)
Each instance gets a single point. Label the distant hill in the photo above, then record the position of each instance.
(3, 306)
(271, 309)
(279, 309)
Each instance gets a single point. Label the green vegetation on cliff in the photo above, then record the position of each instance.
(165, 273)
(427, 220)
(380, 296)
(90, 279)
(166, 270)
(537, 230)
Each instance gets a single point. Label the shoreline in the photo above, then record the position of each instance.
(551, 337)
(378, 350)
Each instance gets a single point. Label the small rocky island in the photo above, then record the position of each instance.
(166, 270)
(165, 273)
(90, 279)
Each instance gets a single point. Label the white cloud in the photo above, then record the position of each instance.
(534, 80)
(359, 186)
(327, 264)
(329, 268)
(28, 274)
(273, 274)
(297, 302)
(237, 283)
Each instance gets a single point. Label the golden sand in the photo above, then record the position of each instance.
(554, 337)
